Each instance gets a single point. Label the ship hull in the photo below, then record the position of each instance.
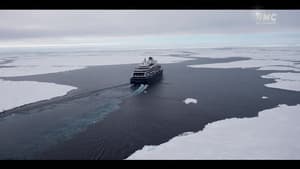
(146, 80)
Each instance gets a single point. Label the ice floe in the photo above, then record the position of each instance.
(280, 68)
(252, 63)
(190, 100)
(33, 62)
(284, 80)
(274, 134)
(18, 93)
(275, 53)
(281, 59)
(42, 64)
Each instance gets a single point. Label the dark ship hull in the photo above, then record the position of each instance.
(147, 80)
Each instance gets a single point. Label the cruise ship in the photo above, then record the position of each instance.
(147, 72)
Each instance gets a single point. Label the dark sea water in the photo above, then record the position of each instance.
(106, 118)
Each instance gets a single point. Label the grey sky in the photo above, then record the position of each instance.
(33, 26)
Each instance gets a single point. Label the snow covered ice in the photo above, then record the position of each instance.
(14, 94)
(275, 59)
(190, 100)
(285, 80)
(54, 62)
(274, 134)
(18, 93)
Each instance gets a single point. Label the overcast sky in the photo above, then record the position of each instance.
(146, 28)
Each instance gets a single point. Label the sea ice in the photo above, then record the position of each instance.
(274, 134)
(33, 65)
(284, 80)
(280, 68)
(190, 100)
(18, 93)
(252, 63)
(14, 94)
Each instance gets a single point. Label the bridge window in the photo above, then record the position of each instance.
(138, 74)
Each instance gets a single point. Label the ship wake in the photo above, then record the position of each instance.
(140, 89)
